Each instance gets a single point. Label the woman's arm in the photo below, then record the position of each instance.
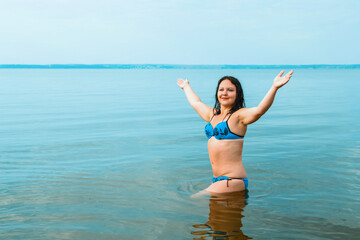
(202, 109)
(251, 115)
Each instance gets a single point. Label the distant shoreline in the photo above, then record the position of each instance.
(173, 66)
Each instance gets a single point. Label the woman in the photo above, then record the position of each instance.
(226, 128)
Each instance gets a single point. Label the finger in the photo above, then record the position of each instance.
(281, 73)
(290, 73)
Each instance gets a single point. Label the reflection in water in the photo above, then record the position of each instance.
(224, 217)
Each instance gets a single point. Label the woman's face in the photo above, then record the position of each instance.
(226, 93)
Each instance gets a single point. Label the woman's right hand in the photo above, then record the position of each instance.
(182, 83)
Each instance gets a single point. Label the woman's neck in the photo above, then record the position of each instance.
(225, 110)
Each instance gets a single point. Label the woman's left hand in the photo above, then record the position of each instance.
(280, 80)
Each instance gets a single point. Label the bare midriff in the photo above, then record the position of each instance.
(226, 157)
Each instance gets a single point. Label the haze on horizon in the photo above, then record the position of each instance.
(179, 32)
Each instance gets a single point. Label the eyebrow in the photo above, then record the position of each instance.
(227, 88)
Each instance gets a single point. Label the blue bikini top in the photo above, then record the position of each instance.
(221, 130)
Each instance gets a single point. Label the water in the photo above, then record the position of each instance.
(117, 153)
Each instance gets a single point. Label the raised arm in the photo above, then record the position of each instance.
(202, 109)
(250, 115)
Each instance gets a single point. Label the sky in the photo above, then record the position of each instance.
(179, 32)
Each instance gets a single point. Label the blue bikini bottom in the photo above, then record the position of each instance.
(246, 181)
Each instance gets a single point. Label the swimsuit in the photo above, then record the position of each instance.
(245, 180)
(222, 132)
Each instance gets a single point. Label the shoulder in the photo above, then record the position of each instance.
(209, 114)
(212, 112)
(241, 112)
(247, 115)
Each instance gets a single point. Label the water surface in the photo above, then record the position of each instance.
(117, 153)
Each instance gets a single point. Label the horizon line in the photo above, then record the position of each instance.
(174, 66)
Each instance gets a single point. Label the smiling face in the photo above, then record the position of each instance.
(226, 93)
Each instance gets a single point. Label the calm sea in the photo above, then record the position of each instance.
(117, 153)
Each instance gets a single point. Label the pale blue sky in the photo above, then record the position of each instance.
(179, 32)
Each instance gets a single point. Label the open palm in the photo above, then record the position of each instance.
(281, 80)
(182, 83)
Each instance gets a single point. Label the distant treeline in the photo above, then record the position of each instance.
(175, 66)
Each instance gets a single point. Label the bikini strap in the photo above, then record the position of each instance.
(212, 117)
(228, 117)
(229, 179)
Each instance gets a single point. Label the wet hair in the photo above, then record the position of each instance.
(239, 101)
